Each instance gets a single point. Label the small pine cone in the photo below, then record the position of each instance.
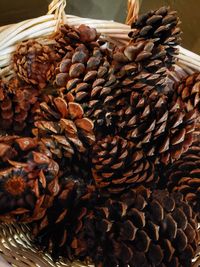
(55, 231)
(117, 165)
(140, 229)
(64, 129)
(189, 91)
(184, 176)
(158, 125)
(28, 179)
(18, 102)
(86, 72)
(70, 37)
(162, 26)
(35, 63)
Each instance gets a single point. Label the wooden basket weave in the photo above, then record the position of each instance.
(16, 245)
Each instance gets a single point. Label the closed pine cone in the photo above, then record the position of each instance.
(63, 127)
(158, 125)
(184, 176)
(18, 102)
(55, 231)
(139, 229)
(35, 63)
(117, 166)
(87, 73)
(189, 91)
(28, 179)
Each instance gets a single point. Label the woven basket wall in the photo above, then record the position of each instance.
(16, 245)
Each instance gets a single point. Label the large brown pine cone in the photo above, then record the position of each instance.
(35, 63)
(28, 179)
(139, 229)
(118, 165)
(184, 176)
(65, 131)
(18, 103)
(55, 231)
(87, 73)
(157, 124)
(189, 91)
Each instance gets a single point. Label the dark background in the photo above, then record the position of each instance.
(16, 10)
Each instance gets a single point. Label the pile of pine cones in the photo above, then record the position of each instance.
(98, 153)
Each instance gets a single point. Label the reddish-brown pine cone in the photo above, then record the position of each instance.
(87, 73)
(184, 176)
(28, 179)
(139, 229)
(18, 102)
(189, 91)
(157, 124)
(55, 231)
(118, 165)
(35, 63)
(70, 37)
(62, 126)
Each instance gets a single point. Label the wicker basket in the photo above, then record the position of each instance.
(16, 245)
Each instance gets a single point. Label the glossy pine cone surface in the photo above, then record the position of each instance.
(162, 26)
(141, 228)
(99, 146)
(63, 126)
(184, 176)
(154, 38)
(118, 165)
(189, 91)
(158, 124)
(87, 72)
(28, 179)
(18, 103)
(35, 63)
(64, 219)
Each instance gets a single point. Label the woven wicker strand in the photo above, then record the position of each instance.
(17, 248)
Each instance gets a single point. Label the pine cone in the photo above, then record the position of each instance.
(28, 179)
(140, 229)
(68, 37)
(35, 63)
(162, 26)
(140, 66)
(117, 165)
(184, 176)
(63, 219)
(151, 51)
(189, 91)
(64, 129)
(17, 106)
(158, 125)
(87, 73)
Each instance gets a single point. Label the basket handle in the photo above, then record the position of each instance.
(57, 7)
(133, 11)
